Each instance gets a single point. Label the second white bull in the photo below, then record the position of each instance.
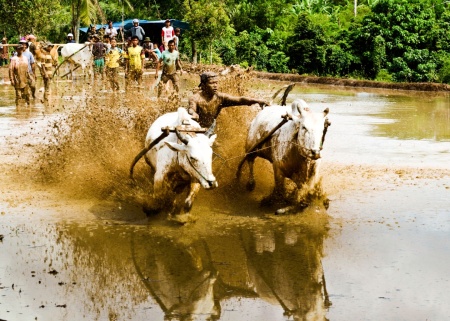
(294, 149)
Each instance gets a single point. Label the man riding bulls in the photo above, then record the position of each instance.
(207, 104)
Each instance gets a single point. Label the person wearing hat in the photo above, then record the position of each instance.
(167, 33)
(70, 38)
(148, 46)
(19, 74)
(135, 61)
(31, 66)
(208, 102)
(137, 31)
(98, 52)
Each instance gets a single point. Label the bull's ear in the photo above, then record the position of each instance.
(212, 139)
(176, 147)
(325, 112)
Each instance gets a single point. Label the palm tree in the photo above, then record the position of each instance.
(84, 11)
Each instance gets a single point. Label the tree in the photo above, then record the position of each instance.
(21, 17)
(208, 21)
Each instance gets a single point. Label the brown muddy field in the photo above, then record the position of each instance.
(76, 245)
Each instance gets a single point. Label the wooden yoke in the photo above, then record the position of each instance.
(184, 128)
(165, 132)
(264, 139)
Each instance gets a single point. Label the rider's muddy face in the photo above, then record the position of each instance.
(212, 85)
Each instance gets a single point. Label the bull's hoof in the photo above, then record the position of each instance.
(251, 185)
(151, 211)
(267, 201)
(326, 203)
(182, 218)
(285, 210)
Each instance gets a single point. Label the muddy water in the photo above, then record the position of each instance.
(76, 244)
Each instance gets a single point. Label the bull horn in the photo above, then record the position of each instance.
(184, 138)
(211, 129)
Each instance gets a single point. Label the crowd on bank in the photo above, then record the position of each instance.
(107, 57)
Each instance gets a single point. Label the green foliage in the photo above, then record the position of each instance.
(384, 75)
(388, 40)
(22, 17)
(444, 71)
(306, 47)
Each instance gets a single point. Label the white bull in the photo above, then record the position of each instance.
(77, 54)
(178, 168)
(294, 149)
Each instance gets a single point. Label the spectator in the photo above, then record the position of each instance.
(167, 34)
(156, 51)
(148, 47)
(177, 38)
(4, 53)
(112, 64)
(98, 52)
(135, 61)
(91, 32)
(31, 67)
(110, 30)
(171, 62)
(107, 43)
(19, 74)
(70, 38)
(137, 31)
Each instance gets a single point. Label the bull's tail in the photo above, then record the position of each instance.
(287, 90)
(239, 169)
(137, 158)
(145, 150)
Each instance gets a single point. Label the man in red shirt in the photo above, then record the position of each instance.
(167, 33)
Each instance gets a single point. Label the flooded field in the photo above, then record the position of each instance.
(75, 243)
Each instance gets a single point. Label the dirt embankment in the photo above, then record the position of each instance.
(223, 70)
(353, 82)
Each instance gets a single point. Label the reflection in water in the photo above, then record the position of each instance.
(190, 274)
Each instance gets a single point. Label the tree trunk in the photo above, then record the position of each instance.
(355, 6)
(194, 51)
(210, 53)
(77, 31)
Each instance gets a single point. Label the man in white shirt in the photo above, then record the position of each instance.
(110, 30)
(167, 34)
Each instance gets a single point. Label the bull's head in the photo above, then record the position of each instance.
(196, 157)
(311, 129)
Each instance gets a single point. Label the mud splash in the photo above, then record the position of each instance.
(88, 149)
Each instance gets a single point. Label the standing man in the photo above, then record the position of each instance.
(31, 66)
(171, 62)
(19, 74)
(44, 62)
(110, 30)
(112, 64)
(167, 34)
(91, 32)
(207, 104)
(177, 38)
(135, 61)
(4, 53)
(98, 52)
(137, 31)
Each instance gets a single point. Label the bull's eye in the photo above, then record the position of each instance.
(193, 159)
(304, 129)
